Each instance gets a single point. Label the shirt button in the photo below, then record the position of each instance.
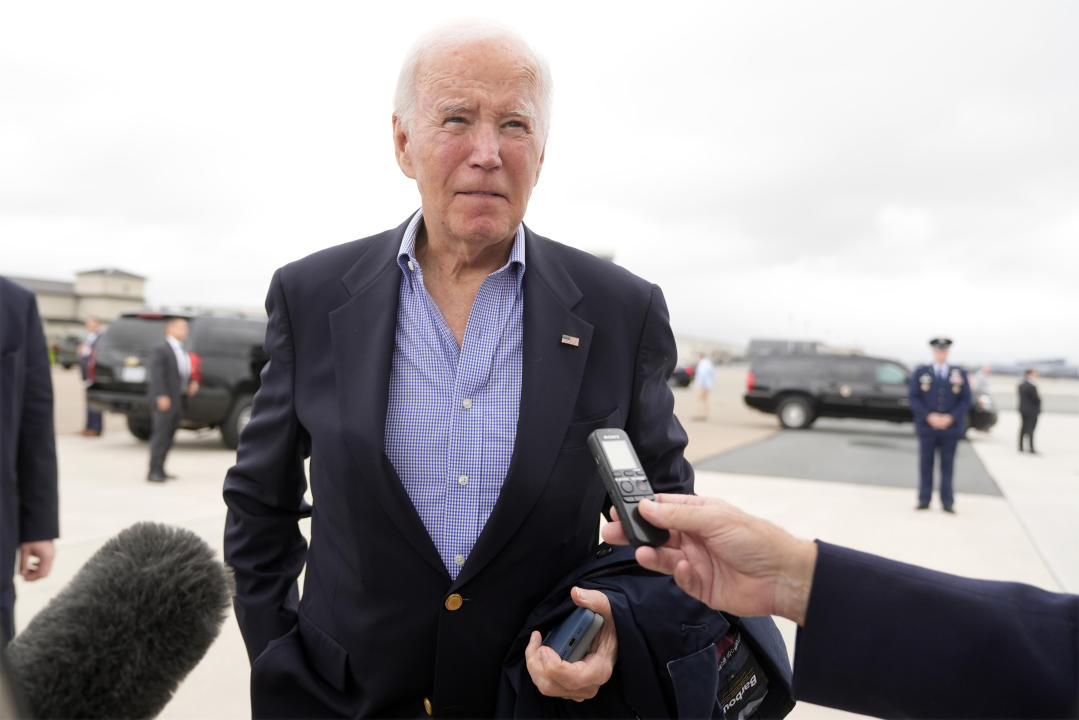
(466, 403)
(412, 266)
(454, 602)
(459, 560)
(462, 480)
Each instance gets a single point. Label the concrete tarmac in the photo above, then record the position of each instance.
(1026, 533)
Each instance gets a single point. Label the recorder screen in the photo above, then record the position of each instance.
(619, 455)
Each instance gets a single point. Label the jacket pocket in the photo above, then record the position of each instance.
(326, 656)
(578, 431)
(696, 684)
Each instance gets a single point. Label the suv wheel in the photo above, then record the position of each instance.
(236, 422)
(795, 413)
(139, 426)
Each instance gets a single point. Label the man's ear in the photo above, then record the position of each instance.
(401, 147)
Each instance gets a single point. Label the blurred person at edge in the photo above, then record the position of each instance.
(875, 636)
(443, 376)
(86, 349)
(704, 377)
(29, 515)
(939, 397)
(1030, 407)
(980, 383)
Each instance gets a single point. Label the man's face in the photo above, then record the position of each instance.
(177, 328)
(474, 144)
(940, 356)
(92, 325)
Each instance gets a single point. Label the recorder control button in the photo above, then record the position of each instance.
(627, 486)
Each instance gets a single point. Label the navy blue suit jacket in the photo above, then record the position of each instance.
(894, 640)
(28, 505)
(928, 393)
(372, 634)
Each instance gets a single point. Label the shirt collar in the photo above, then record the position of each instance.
(406, 253)
(174, 343)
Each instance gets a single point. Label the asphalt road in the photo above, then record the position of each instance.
(849, 451)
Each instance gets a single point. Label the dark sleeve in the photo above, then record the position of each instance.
(264, 494)
(657, 435)
(959, 412)
(914, 395)
(158, 382)
(894, 640)
(35, 468)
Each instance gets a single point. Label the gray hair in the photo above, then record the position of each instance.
(455, 35)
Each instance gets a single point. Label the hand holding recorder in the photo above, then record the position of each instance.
(724, 557)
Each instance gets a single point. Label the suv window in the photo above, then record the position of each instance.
(850, 369)
(891, 374)
(135, 334)
(220, 336)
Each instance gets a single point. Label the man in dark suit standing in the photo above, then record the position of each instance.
(939, 397)
(86, 350)
(443, 378)
(1030, 406)
(29, 517)
(170, 379)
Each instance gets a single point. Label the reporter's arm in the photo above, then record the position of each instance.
(889, 639)
(878, 637)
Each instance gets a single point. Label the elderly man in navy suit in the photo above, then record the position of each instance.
(939, 399)
(442, 377)
(29, 516)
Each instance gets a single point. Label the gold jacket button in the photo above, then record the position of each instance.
(427, 707)
(454, 602)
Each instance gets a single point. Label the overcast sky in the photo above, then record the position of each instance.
(863, 173)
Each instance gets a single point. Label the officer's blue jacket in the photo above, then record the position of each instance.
(951, 395)
(667, 658)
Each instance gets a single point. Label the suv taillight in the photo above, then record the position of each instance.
(196, 367)
(749, 381)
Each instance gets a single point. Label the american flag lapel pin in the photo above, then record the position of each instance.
(571, 340)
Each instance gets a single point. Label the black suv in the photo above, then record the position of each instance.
(227, 357)
(800, 388)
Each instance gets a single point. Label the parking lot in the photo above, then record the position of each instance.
(847, 482)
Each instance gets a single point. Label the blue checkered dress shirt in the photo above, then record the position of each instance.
(451, 420)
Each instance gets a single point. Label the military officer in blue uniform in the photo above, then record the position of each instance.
(939, 399)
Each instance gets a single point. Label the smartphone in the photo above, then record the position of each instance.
(572, 639)
(626, 484)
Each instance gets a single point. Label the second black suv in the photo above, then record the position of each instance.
(800, 388)
(227, 357)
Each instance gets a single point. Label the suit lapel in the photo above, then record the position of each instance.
(551, 377)
(363, 332)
